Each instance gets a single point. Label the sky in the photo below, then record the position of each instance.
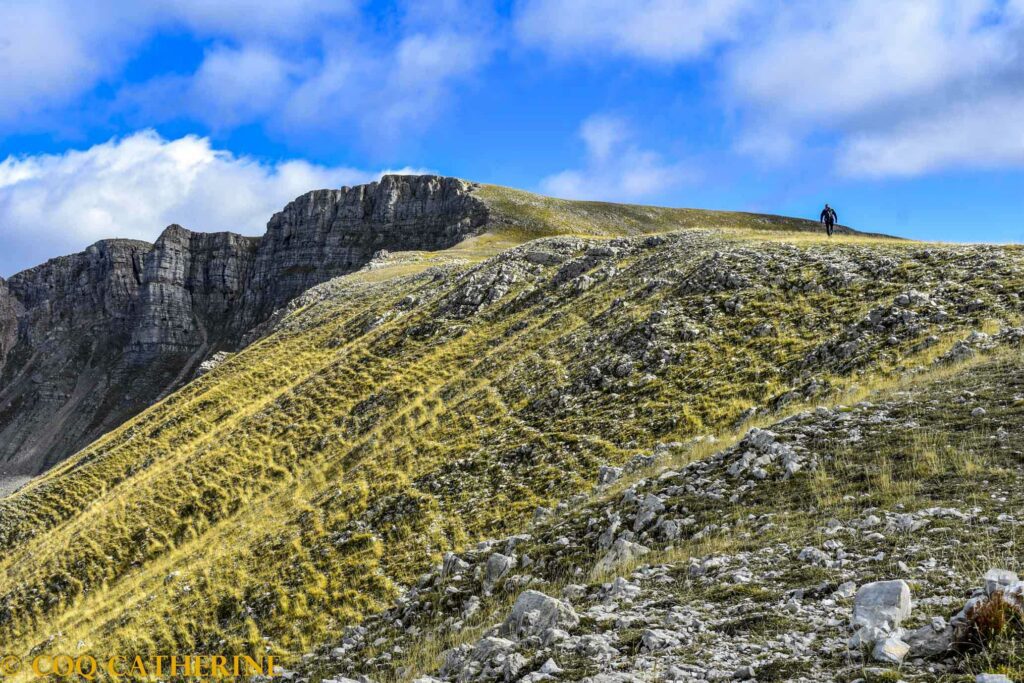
(907, 116)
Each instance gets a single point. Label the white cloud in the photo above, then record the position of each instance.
(980, 134)
(234, 86)
(302, 69)
(915, 88)
(417, 83)
(384, 93)
(602, 135)
(254, 19)
(135, 186)
(369, 93)
(844, 59)
(900, 88)
(657, 30)
(615, 168)
(231, 87)
(53, 51)
(306, 67)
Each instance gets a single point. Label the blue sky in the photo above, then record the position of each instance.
(905, 115)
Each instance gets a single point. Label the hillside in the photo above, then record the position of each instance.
(91, 339)
(432, 400)
(723, 568)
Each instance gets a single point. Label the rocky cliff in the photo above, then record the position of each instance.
(325, 233)
(90, 339)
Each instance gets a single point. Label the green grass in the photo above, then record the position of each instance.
(528, 216)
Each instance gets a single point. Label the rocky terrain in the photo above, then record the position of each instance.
(589, 441)
(88, 340)
(839, 544)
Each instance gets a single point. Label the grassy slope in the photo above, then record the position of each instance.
(296, 487)
(524, 215)
(894, 448)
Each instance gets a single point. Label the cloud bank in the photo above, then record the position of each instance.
(655, 30)
(298, 68)
(615, 167)
(135, 186)
(895, 89)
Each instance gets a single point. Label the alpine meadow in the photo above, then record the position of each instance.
(602, 439)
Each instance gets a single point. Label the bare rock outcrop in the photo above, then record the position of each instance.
(327, 233)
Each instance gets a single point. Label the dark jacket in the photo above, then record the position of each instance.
(829, 215)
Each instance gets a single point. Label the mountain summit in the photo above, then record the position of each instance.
(90, 339)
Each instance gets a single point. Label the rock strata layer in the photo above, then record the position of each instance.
(88, 340)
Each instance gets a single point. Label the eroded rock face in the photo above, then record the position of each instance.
(327, 233)
(66, 325)
(192, 286)
(90, 339)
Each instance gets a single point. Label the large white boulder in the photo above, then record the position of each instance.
(881, 604)
(878, 609)
(535, 613)
(622, 551)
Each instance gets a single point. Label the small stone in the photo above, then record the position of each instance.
(498, 565)
(996, 579)
(814, 556)
(621, 551)
(992, 678)
(452, 565)
(606, 475)
(550, 667)
(931, 639)
(891, 650)
(744, 673)
(534, 612)
(846, 590)
(658, 639)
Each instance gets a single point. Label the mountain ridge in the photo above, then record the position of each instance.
(125, 322)
(437, 400)
(455, 408)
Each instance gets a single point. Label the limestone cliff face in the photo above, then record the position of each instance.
(88, 340)
(192, 288)
(8, 321)
(65, 326)
(327, 233)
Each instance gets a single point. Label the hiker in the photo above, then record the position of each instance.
(829, 218)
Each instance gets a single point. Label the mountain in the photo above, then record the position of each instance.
(93, 338)
(646, 444)
(90, 339)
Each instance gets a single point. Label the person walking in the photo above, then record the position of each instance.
(829, 218)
